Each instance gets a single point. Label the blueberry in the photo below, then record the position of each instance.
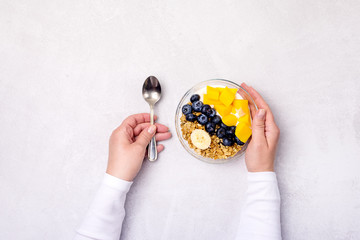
(197, 106)
(223, 125)
(238, 141)
(230, 132)
(206, 109)
(202, 119)
(210, 127)
(186, 109)
(227, 142)
(212, 113)
(194, 98)
(190, 117)
(216, 119)
(221, 133)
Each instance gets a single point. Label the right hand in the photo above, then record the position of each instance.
(260, 154)
(127, 147)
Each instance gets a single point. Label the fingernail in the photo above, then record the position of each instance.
(152, 129)
(261, 114)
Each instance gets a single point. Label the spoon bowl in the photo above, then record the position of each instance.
(151, 90)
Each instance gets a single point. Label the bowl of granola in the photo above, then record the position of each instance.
(213, 120)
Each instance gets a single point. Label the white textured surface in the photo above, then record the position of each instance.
(70, 71)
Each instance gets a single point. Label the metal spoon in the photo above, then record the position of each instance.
(152, 92)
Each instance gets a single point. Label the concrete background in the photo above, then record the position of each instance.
(71, 71)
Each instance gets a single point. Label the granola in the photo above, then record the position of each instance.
(216, 150)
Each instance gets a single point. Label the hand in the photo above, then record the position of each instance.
(260, 153)
(128, 142)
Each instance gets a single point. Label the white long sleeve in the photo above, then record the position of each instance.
(260, 218)
(106, 214)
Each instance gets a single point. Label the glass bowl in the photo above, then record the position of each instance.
(200, 88)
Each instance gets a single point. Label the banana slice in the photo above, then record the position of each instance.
(200, 139)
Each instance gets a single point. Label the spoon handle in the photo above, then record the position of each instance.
(152, 152)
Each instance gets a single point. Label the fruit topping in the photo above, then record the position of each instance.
(202, 119)
(238, 142)
(221, 133)
(223, 110)
(240, 107)
(223, 126)
(245, 119)
(194, 98)
(243, 131)
(241, 104)
(227, 97)
(212, 113)
(197, 106)
(200, 139)
(210, 101)
(186, 109)
(230, 120)
(230, 132)
(212, 93)
(221, 89)
(216, 119)
(227, 142)
(190, 117)
(210, 127)
(206, 109)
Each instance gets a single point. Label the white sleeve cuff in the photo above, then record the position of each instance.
(261, 177)
(116, 183)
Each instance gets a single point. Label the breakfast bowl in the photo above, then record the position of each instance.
(199, 129)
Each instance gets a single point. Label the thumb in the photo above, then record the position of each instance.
(145, 136)
(258, 125)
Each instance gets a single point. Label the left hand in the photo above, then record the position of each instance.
(128, 142)
(260, 154)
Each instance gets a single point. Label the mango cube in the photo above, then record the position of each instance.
(212, 93)
(245, 119)
(227, 97)
(243, 131)
(230, 120)
(210, 101)
(233, 110)
(238, 111)
(221, 89)
(222, 109)
(241, 107)
(240, 103)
